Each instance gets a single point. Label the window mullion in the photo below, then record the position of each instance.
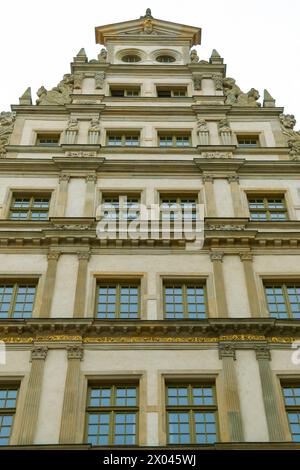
(287, 301)
(13, 300)
(118, 300)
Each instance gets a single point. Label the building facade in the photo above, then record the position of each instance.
(149, 339)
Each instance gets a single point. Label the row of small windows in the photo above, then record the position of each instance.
(112, 413)
(262, 208)
(133, 58)
(122, 300)
(132, 139)
(161, 91)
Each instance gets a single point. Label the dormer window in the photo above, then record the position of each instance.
(131, 58)
(165, 58)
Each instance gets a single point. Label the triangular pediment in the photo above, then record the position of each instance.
(147, 27)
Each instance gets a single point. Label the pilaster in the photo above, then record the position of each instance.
(33, 395)
(217, 259)
(233, 181)
(53, 257)
(210, 199)
(62, 194)
(247, 260)
(83, 259)
(90, 195)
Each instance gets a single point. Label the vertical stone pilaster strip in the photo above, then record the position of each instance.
(274, 420)
(33, 394)
(235, 194)
(79, 304)
(217, 259)
(210, 199)
(247, 260)
(90, 195)
(62, 195)
(70, 408)
(53, 257)
(231, 396)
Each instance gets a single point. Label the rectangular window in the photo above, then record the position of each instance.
(191, 414)
(125, 91)
(112, 415)
(118, 301)
(170, 92)
(178, 208)
(291, 395)
(130, 139)
(185, 301)
(248, 140)
(8, 401)
(267, 208)
(48, 140)
(174, 140)
(283, 299)
(121, 207)
(30, 207)
(17, 300)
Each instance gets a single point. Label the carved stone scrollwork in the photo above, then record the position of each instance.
(72, 131)
(64, 177)
(94, 132)
(39, 352)
(197, 80)
(202, 131)
(85, 255)
(226, 350)
(99, 80)
(225, 132)
(216, 256)
(207, 178)
(233, 179)
(53, 255)
(81, 154)
(75, 352)
(78, 79)
(7, 120)
(91, 178)
(218, 81)
(211, 155)
(248, 256)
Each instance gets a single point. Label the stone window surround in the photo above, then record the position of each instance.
(117, 278)
(206, 279)
(283, 378)
(174, 133)
(36, 132)
(266, 192)
(22, 277)
(102, 193)
(259, 134)
(262, 278)
(137, 378)
(18, 381)
(26, 191)
(122, 132)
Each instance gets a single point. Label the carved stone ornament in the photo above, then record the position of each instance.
(7, 120)
(53, 255)
(81, 154)
(99, 80)
(262, 352)
(288, 123)
(197, 82)
(58, 95)
(201, 125)
(216, 256)
(72, 125)
(72, 227)
(235, 96)
(225, 227)
(226, 350)
(102, 56)
(39, 352)
(78, 79)
(218, 81)
(194, 56)
(223, 126)
(216, 155)
(75, 352)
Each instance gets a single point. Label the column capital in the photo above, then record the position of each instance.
(226, 350)
(91, 178)
(247, 256)
(75, 351)
(216, 255)
(39, 351)
(85, 255)
(233, 179)
(64, 177)
(53, 255)
(262, 352)
(208, 178)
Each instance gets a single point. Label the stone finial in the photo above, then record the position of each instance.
(7, 120)
(81, 56)
(269, 101)
(215, 58)
(148, 14)
(194, 56)
(59, 95)
(102, 56)
(26, 97)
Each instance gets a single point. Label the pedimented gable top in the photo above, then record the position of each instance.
(147, 27)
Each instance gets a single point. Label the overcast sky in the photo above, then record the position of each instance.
(259, 40)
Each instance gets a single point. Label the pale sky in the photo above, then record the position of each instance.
(258, 39)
